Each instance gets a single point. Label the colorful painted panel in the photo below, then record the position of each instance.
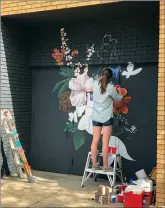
(6, 116)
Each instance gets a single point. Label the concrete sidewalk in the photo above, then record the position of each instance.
(49, 190)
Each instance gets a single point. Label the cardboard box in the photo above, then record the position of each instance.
(102, 199)
(104, 190)
(153, 174)
(96, 197)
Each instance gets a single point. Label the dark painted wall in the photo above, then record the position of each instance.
(137, 39)
(16, 82)
(137, 42)
(51, 149)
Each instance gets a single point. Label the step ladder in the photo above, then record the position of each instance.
(20, 160)
(117, 169)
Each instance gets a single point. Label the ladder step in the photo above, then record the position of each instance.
(90, 170)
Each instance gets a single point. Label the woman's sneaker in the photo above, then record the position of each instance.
(96, 167)
(107, 169)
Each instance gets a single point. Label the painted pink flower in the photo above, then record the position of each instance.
(79, 86)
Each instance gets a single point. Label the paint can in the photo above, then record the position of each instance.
(113, 150)
(120, 198)
(113, 199)
(109, 149)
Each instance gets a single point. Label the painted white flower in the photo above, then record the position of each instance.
(69, 63)
(86, 69)
(73, 117)
(90, 52)
(79, 86)
(85, 122)
(77, 71)
(69, 57)
(80, 110)
(78, 64)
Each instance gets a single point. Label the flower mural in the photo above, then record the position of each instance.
(73, 94)
(122, 106)
(79, 86)
(58, 56)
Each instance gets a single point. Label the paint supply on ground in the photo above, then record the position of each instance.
(104, 199)
(141, 174)
(120, 198)
(113, 199)
(146, 201)
(147, 185)
(104, 190)
(153, 174)
(133, 197)
(96, 197)
(102, 196)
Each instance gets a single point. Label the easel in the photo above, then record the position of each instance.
(16, 147)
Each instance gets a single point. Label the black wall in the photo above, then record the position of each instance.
(137, 39)
(137, 42)
(136, 31)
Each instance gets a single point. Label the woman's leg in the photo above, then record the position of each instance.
(96, 137)
(107, 131)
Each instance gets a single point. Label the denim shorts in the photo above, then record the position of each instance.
(107, 123)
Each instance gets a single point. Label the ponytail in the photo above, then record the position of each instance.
(105, 78)
(103, 83)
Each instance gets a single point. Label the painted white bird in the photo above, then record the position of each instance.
(121, 149)
(130, 70)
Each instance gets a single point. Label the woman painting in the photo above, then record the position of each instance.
(104, 93)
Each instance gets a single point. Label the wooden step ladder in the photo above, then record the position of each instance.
(117, 169)
(20, 160)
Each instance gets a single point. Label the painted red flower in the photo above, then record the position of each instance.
(121, 106)
(75, 52)
(58, 56)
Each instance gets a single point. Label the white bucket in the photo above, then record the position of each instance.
(141, 174)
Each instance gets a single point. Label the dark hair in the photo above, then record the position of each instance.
(105, 79)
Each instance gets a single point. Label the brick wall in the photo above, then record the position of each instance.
(133, 42)
(15, 79)
(160, 198)
(20, 7)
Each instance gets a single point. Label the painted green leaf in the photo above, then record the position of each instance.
(64, 87)
(71, 126)
(60, 83)
(67, 72)
(79, 139)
